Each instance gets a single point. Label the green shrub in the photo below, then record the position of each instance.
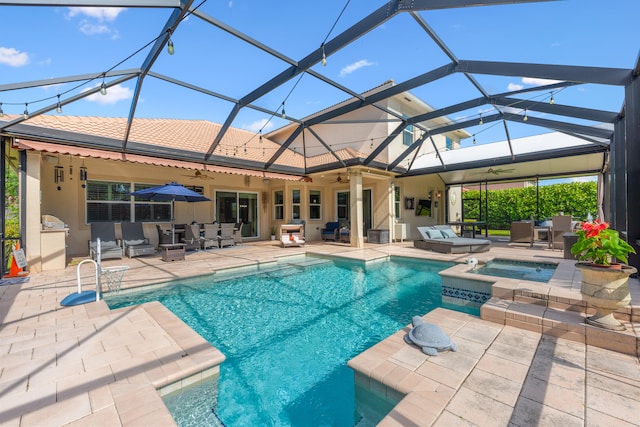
(505, 206)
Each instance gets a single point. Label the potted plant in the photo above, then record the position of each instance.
(605, 283)
(274, 229)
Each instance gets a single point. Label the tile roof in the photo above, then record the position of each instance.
(190, 135)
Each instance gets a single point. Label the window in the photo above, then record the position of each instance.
(150, 211)
(407, 133)
(295, 204)
(315, 206)
(278, 205)
(396, 201)
(343, 206)
(449, 143)
(111, 202)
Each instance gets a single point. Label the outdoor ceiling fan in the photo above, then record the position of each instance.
(199, 175)
(339, 179)
(494, 171)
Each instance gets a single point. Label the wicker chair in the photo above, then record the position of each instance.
(522, 232)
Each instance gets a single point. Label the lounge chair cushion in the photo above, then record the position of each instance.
(134, 242)
(450, 245)
(449, 234)
(434, 234)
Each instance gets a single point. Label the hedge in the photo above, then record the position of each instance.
(577, 199)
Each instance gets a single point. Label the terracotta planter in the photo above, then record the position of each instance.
(606, 289)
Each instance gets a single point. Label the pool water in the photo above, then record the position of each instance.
(288, 331)
(523, 270)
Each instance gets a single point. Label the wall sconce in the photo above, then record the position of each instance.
(438, 194)
(83, 174)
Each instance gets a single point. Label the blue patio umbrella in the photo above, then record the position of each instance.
(172, 192)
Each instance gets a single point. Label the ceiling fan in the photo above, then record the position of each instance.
(494, 171)
(199, 175)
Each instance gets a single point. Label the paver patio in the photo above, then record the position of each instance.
(88, 365)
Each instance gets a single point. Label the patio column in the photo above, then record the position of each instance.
(391, 218)
(357, 216)
(32, 225)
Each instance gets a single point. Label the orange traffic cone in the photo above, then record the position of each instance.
(15, 271)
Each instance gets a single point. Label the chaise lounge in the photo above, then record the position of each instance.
(442, 238)
(291, 235)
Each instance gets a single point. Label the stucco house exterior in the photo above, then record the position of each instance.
(65, 177)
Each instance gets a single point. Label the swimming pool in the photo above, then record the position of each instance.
(524, 270)
(288, 330)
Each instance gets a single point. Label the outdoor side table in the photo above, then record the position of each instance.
(172, 251)
(380, 235)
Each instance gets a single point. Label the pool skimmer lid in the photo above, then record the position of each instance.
(428, 336)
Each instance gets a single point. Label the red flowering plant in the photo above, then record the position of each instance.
(599, 244)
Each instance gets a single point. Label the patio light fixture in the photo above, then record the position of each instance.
(103, 87)
(170, 48)
(1, 112)
(525, 118)
(283, 115)
(551, 100)
(59, 107)
(26, 111)
(480, 122)
(324, 57)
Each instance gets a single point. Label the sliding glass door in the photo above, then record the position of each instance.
(343, 211)
(238, 207)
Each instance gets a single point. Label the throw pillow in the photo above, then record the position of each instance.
(448, 233)
(434, 234)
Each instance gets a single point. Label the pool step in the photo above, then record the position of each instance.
(539, 315)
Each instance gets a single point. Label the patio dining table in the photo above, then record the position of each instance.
(469, 227)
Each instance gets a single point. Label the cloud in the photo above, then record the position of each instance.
(114, 94)
(92, 29)
(102, 14)
(538, 82)
(531, 81)
(257, 125)
(355, 66)
(13, 57)
(97, 19)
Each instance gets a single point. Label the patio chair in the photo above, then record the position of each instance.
(109, 247)
(135, 244)
(210, 237)
(192, 237)
(560, 224)
(237, 233)
(226, 235)
(329, 231)
(522, 232)
(344, 233)
(164, 237)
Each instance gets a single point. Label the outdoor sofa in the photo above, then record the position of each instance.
(442, 238)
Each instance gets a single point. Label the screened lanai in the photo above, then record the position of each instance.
(499, 71)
